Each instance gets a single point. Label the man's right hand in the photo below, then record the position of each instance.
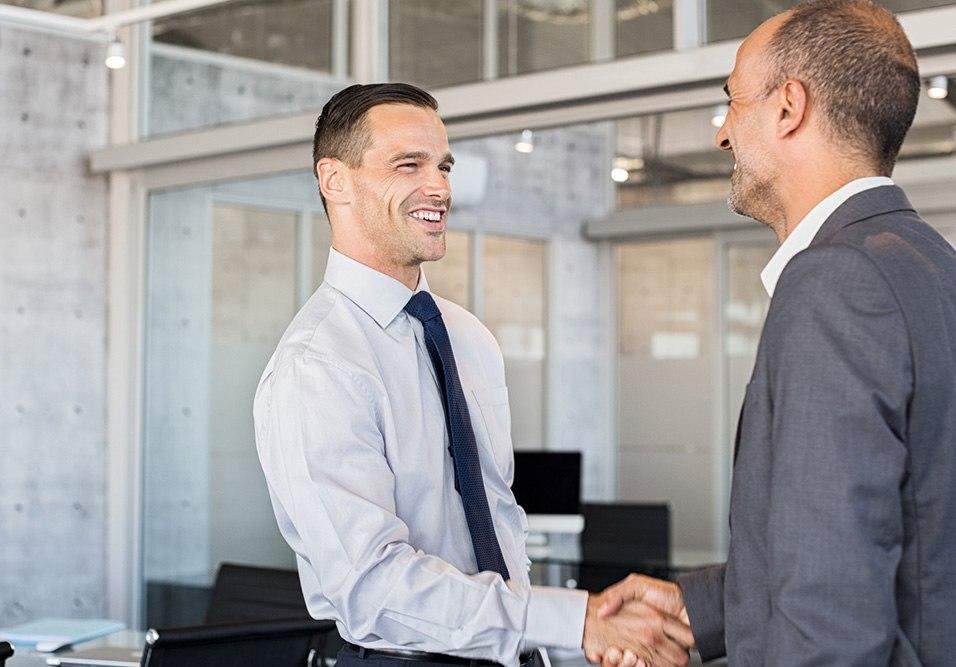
(662, 595)
(653, 636)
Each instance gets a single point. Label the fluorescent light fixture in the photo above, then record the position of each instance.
(115, 54)
(938, 87)
(526, 143)
(620, 175)
(720, 115)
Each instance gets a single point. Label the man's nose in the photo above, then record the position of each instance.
(438, 184)
(721, 139)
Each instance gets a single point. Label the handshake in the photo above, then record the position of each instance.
(638, 622)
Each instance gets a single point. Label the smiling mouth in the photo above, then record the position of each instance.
(431, 219)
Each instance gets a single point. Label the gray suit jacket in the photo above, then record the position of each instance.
(843, 506)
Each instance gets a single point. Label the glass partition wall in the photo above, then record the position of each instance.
(229, 264)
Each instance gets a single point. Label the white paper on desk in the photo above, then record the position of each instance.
(58, 632)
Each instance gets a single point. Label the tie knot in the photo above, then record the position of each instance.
(422, 307)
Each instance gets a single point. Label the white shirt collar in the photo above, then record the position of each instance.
(379, 295)
(804, 232)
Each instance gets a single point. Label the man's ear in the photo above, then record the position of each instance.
(792, 107)
(333, 180)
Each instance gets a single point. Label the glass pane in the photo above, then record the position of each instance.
(669, 158)
(435, 43)
(934, 129)
(450, 277)
(666, 393)
(240, 61)
(730, 19)
(221, 288)
(514, 297)
(83, 9)
(542, 34)
(644, 26)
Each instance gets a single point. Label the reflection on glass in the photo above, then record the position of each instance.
(535, 35)
(83, 9)
(450, 277)
(514, 295)
(287, 32)
(934, 129)
(224, 281)
(669, 158)
(435, 43)
(666, 394)
(730, 19)
(238, 62)
(644, 26)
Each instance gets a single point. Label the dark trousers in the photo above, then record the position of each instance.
(349, 657)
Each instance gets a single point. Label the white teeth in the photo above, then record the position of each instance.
(432, 216)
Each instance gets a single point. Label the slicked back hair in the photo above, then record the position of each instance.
(341, 130)
(859, 68)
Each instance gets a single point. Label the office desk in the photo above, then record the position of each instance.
(132, 639)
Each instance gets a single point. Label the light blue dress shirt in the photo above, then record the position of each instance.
(351, 435)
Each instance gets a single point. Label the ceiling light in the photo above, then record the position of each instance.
(720, 115)
(938, 87)
(115, 54)
(620, 175)
(526, 143)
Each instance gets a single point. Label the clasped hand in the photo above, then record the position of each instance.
(638, 622)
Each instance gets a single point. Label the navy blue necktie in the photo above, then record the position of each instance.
(464, 448)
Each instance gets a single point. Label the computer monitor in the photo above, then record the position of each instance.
(548, 482)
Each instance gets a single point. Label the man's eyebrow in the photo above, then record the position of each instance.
(413, 155)
(420, 155)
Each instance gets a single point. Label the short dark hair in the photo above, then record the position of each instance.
(341, 130)
(858, 67)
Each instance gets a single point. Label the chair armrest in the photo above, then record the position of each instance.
(226, 632)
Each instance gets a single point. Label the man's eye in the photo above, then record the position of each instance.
(446, 168)
(407, 165)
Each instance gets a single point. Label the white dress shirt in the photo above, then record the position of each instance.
(802, 235)
(351, 435)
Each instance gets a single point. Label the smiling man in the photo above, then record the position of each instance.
(382, 425)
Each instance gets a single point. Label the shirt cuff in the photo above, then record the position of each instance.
(555, 617)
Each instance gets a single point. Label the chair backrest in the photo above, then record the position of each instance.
(283, 643)
(5, 652)
(622, 538)
(248, 593)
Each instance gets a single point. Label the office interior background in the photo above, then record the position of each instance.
(160, 225)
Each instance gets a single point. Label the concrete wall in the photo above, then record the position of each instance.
(53, 111)
(191, 89)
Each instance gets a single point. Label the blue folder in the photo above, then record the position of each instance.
(53, 633)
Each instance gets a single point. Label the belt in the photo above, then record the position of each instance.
(422, 656)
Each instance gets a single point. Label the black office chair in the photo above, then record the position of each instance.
(619, 539)
(282, 643)
(248, 593)
(5, 652)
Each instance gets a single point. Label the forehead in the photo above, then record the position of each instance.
(751, 61)
(406, 127)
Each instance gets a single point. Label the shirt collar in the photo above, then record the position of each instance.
(380, 296)
(801, 236)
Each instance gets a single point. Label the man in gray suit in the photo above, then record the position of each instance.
(843, 506)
